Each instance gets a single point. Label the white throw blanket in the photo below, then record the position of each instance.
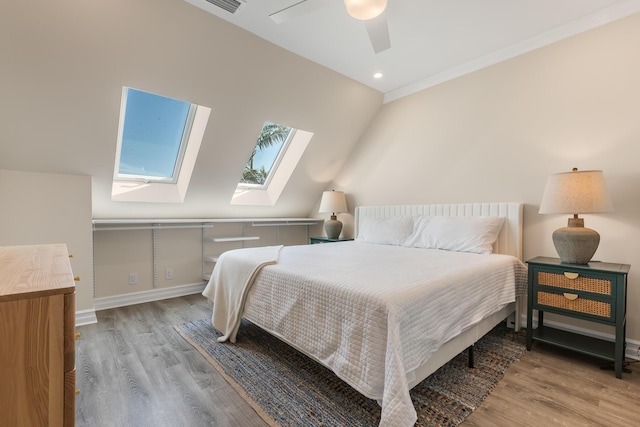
(230, 282)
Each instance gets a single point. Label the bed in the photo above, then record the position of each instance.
(418, 285)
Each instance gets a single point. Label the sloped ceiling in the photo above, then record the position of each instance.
(64, 66)
(431, 41)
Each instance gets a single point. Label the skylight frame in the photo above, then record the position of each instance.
(154, 189)
(268, 195)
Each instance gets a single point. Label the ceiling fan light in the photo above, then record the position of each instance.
(365, 9)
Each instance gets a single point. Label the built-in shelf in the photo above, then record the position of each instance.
(156, 224)
(232, 239)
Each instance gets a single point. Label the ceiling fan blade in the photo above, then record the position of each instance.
(296, 10)
(378, 32)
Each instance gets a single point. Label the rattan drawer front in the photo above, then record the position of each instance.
(581, 305)
(581, 283)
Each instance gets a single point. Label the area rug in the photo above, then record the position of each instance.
(287, 388)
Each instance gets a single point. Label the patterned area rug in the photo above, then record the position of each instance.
(288, 388)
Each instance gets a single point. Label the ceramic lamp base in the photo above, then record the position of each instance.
(576, 244)
(333, 227)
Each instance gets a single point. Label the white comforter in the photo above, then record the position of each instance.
(375, 313)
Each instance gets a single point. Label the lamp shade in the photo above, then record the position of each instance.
(365, 9)
(333, 201)
(576, 192)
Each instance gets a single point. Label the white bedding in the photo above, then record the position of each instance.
(230, 285)
(375, 313)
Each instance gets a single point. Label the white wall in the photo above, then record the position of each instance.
(497, 134)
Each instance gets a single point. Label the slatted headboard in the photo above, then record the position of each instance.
(509, 241)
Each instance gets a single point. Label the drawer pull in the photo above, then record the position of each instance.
(570, 297)
(77, 391)
(77, 335)
(77, 278)
(571, 276)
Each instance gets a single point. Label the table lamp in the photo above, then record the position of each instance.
(334, 202)
(576, 192)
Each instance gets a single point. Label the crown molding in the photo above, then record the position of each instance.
(572, 28)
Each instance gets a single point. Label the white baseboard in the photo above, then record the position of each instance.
(632, 350)
(86, 317)
(115, 301)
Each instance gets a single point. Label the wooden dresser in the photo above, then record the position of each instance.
(37, 336)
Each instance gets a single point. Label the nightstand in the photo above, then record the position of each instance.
(314, 240)
(596, 292)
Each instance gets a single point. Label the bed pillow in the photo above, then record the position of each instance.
(475, 234)
(385, 231)
(419, 237)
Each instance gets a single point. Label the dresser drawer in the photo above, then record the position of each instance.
(577, 304)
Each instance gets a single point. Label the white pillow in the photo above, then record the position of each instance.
(385, 231)
(419, 238)
(474, 234)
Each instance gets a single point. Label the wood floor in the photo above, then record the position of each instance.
(133, 369)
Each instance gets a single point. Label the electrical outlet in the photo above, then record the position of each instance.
(133, 278)
(168, 274)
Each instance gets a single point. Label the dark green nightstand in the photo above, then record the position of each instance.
(596, 292)
(314, 240)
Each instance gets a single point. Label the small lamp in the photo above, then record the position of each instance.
(334, 202)
(576, 192)
(365, 9)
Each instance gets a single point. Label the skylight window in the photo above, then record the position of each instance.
(154, 137)
(276, 154)
(158, 142)
(269, 150)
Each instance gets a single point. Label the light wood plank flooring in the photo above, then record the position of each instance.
(133, 369)
(549, 386)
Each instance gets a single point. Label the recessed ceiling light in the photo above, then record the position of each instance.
(377, 75)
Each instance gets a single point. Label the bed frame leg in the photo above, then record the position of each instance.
(470, 349)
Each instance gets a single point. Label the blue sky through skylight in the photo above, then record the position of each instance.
(152, 134)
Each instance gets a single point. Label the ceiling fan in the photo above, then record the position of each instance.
(371, 12)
